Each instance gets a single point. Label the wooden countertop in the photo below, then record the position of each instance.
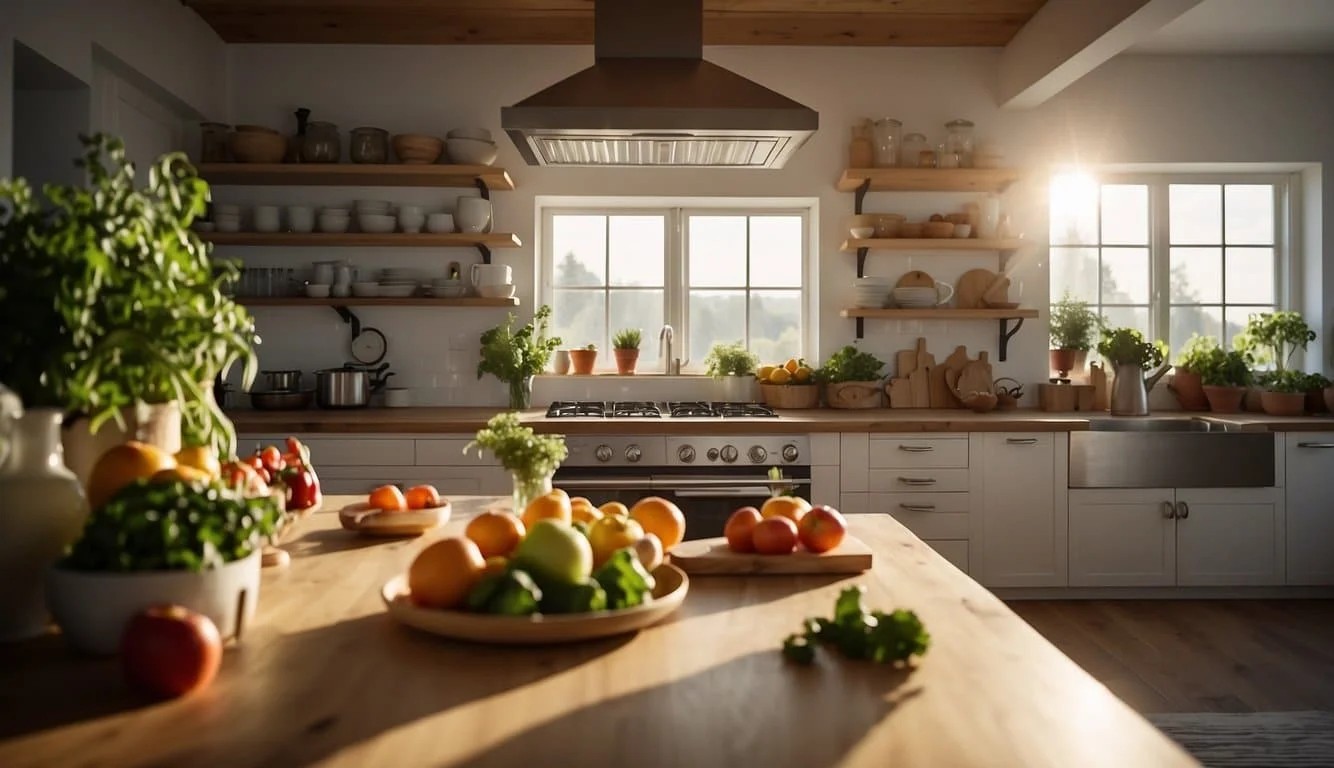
(324, 676)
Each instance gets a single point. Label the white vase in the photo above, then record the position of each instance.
(158, 425)
(42, 511)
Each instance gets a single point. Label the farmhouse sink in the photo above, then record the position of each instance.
(1186, 452)
(1184, 424)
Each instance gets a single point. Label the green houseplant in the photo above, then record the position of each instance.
(121, 304)
(733, 366)
(852, 379)
(1186, 383)
(1073, 328)
(1284, 392)
(1224, 376)
(530, 458)
(584, 360)
(625, 346)
(515, 357)
(1131, 356)
(1272, 338)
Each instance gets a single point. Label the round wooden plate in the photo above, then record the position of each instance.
(365, 519)
(668, 594)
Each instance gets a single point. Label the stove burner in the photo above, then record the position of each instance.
(720, 410)
(635, 408)
(564, 409)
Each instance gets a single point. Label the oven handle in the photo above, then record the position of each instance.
(607, 483)
(691, 483)
(737, 492)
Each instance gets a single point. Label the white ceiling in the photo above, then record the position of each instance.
(1247, 26)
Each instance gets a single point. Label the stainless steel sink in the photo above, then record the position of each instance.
(1187, 452)
(1188, 424)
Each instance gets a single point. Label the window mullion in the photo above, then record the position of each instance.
(678, 283)
(1160, 262)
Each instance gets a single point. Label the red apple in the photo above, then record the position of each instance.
(822, 529)
(739, 527)
(169, 651)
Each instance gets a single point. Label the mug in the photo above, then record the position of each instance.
(472, 214)
(561, 362)
(300, 218)
(490, 274)
(921, 296)
(266, 218)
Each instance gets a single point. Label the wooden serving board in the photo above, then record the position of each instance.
(972, 286)
(368, 521)
(711, 557)
(916, 279)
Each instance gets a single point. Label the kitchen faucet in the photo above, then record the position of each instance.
(665, 338)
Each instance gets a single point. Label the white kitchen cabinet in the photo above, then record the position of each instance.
(1230, 537)
(1309, 508)
(826, 485)
(953, 550)
(1019, 531)
(854, 460)
(1123, 537)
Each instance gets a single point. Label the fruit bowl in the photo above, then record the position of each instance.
(668, 594)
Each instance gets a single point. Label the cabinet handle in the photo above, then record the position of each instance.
(1021, 441)
(1169, 511)
(1315, 445)
(917, 507)
(917, 480)
(917, 448)
(1183, 510)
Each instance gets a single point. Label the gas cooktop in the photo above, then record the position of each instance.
(620, 409)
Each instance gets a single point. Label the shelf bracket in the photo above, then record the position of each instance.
(861, 195)
(483, 188)
(861, 261)
(350, 318)
(485, 250)
(861, 327)
(1006, 335)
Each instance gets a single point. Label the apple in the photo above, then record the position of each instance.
(739, 527)
(775, 536)
(822, 528)
(555, 551)
(170, 651)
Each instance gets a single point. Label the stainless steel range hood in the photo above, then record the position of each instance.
(650, 99)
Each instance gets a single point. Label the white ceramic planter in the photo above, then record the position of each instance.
(92, 608)
(158, 425)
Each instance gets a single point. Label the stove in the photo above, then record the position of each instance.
(623, 409)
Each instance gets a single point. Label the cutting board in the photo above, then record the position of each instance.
(1098, 378)
(954, 366)
(972, 287)
(998, 293)
(976, 375)
(900, 393)
(941, 397)
(924, 359)
(916, 279)
(368, 521)
(921, 388)
(711, 557)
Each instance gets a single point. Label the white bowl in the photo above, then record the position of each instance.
(226, 209)
(333, 224)
(375, 223)
(396, 290)
(228, 225)
(481, 134)
(318, 290)
(366, 290)
(397, 397)
(471, 151)
(371, 206)
(505, 291)
(92, 608)
(440, 223)
(344, 212)
(861, 233)
(963, 230)
(449, 291)
(411, 222)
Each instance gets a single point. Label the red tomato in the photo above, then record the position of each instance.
(822, 528)
(169, 651)
(775, 536)
(422, 497)
(739, 527)
(272, 458)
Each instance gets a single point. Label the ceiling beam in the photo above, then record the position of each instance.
(1068, 39)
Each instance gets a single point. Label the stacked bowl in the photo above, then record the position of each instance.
(470, 146)
(871, 292)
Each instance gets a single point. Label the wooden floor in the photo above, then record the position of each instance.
(1198, 655)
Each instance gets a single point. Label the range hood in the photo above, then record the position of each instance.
(650, 99)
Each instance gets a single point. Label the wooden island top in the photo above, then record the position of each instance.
(324, 676)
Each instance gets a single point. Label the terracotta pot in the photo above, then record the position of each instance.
(1329, 398)
(158, 425)
(1252, 400)
(1284, 403)
(1315, 401)
(626, 360)
(1224, 399)
(1188, 389)
(583, 360)
(1063, 360)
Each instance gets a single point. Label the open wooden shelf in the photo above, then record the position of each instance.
(941, 313)
(365, 239)
(353, 301)
(928, 179)
(356, 175)
(931, 244)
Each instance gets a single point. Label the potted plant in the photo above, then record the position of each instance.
(1073, 327)
(1224, 376)
(1271, 339)
(733, 366)
(789, 385)
(1186, 382)
(123, 316)
(530, 458)
(1131, 356)
(195, 544)
(515, 357)
(583, 360)
(1316, 384)
(1284, 392)
(625, 346)
(852, 379)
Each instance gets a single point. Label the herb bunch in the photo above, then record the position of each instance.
(730, 360)
(851, 364)
(519, 449)
(885, 638)
(1126, 346)
(1072, 324)
(513, 356)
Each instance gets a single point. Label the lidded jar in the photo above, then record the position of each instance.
(861, 153)
(885, 134)
(959, 141)
(369, 145)
(321, 144)
(914, 144)
(213, 142)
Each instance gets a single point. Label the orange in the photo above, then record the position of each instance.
(444, 573)
(614, 509)
(388, 498)
(791, 507)
(661, 518)
(583, 511)
(495, 565)
(181, 473)
(495, 533)
(554, 505)
(791, 365)
(121, 466)
(422, 497)
(201, 458)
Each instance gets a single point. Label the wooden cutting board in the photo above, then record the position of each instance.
(998, 293)
(972, 286)
(916, 279)
(905, 362)
(920, 386)
(924, 359)
(954, 366)
(368, 521)
(900, 393)
(711, 557)
(1098, 378)
(941, 397)
(976, 375)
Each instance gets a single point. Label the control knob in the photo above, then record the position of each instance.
(712, 454)
(758, 454)
(602, 453)
(686, 454)
(790, 452)
(633, 453)
(728, 454)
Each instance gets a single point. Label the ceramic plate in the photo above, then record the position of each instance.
(668, 594)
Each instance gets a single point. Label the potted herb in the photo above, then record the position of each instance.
(530, 458)
(1224, 376)
(1284, 392)
(852, 379)
(584, 360)
(789, 385)
(1186, 382)
(1131, 356)
(625, 346)
(1272, 338)
(1073, 327)
(121, 308)
(1316, 384)
(515, 357)
(733, 366)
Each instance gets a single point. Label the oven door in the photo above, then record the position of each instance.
(706, 496)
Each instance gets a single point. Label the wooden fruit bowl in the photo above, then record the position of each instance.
(790, 395)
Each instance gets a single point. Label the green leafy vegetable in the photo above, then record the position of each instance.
(574, 598)
(625, 580)
(1203, 356)
(513, 356)
(1286, 381)
(850, 364)
(1126, 346)
(519, 449)
(885, 638)
(508, 593)
(730, 360)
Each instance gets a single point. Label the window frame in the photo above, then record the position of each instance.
(676, 289)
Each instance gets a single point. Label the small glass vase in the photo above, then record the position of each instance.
(521, 393)
(527, 488)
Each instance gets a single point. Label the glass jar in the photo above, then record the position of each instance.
(213, 142)
(959, 140)
(886, 142)
(321, 144)
(369, 145)
(528, 487)
(861, 153)
(914, 144)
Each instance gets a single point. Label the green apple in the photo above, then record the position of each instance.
(554, 551)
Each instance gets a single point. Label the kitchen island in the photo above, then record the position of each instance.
(324, 676)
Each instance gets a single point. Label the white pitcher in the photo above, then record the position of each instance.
(490, 274)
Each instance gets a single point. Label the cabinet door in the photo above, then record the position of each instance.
(1230, 537)
(1309, 509)
(1020, 510)
(1123, 538)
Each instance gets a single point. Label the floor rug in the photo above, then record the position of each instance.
(1225, 739)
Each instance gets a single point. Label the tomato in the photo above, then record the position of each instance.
(272, 459)
(388, 498)
(775, 536)
(822, 529)
(257, 464)
(739, 528)
(422, 497)
(169, 651)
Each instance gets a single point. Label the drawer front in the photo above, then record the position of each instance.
(929, 515)
(449, 453)
(955, 551)
(910, 452)
(918, 480)
(343, 451)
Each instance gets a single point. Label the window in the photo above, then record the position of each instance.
(716, 275)
(1171, 255)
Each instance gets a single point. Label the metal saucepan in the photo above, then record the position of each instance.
(282, 381)
(350, 386)
(281, 401)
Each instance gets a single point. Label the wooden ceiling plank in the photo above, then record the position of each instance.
(885, 7)
(860, 29)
